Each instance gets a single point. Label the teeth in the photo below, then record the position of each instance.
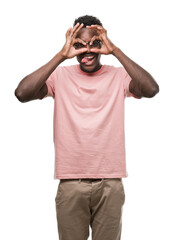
(89, 57)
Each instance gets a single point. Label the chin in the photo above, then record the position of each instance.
(91, 65)
(88, 68)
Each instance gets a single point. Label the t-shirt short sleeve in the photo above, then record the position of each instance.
(126, 81)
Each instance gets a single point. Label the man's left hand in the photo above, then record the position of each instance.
(107, 46)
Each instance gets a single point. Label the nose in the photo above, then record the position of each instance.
(88, 48)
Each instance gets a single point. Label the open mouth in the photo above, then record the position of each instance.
(88, 60)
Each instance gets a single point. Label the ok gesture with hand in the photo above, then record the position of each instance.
(107, 46)
(68, 50)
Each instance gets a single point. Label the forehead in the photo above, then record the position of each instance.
(86, 34)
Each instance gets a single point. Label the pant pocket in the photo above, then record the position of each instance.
(122, 190)
(58, 192)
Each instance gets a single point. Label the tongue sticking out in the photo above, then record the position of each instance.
(85, 59)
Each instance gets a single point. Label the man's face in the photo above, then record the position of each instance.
(89, 61)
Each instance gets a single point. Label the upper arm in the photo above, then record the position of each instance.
(48, 89)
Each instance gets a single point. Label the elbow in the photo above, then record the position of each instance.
(153, 91)
(19, 95)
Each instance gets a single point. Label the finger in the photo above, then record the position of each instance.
(78, 29)
(95, 26)
(75, 27)
(78, 40)
(98, 28)
(95, 50)
(94, 38)
(68, 32)
(80, 51)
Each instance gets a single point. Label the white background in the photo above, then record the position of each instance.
(32, 32)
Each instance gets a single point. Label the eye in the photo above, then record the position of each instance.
(97, 43)
(78, 45)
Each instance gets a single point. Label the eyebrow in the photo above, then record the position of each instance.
(90, 41)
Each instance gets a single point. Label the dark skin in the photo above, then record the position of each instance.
(142, 84)
(86, 35)
(33, 86)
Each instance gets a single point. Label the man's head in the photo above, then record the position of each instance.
(89, 61)
(88, 21)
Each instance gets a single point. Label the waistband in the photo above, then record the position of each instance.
(87, 179)
(82, 179)
(90, 179)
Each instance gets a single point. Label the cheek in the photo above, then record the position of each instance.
(78, 58)
(98, 58)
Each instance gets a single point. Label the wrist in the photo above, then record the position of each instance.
(116, 51)
(62, 55)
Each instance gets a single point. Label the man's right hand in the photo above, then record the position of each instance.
(33, 86)
(68, 50)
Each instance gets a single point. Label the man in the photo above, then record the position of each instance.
(88, 128)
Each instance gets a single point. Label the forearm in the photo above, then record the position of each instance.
(145, 82)
(33, 82)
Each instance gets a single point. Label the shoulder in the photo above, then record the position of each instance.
(114, 69)
(66, 68)
(117, 71)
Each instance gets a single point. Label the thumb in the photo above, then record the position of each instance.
(80, 51)
(95, 50)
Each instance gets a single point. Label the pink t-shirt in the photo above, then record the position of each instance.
(88, 123)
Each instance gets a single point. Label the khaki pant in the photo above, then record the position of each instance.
(98, 203)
